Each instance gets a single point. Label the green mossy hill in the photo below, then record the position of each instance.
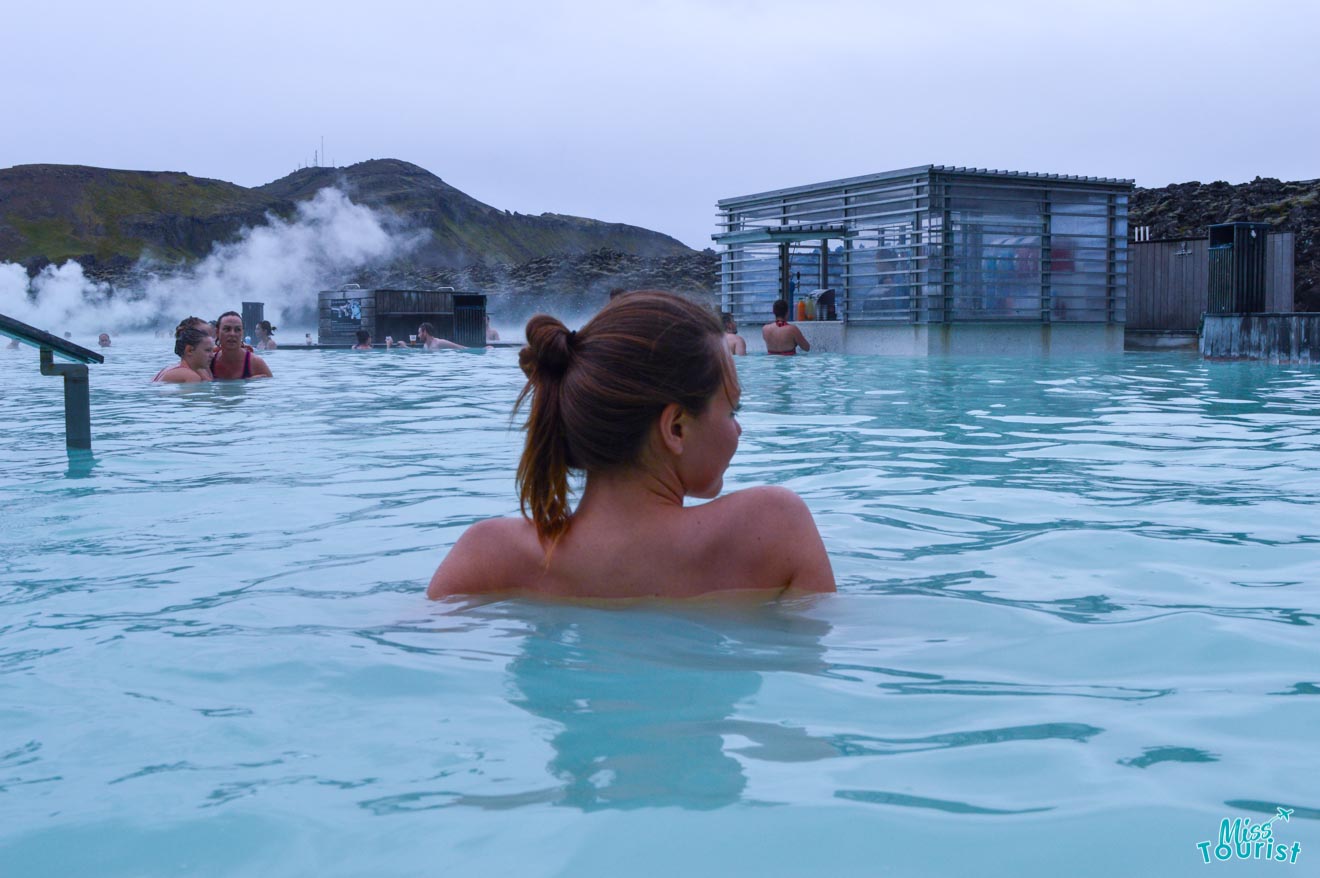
(465, 231)
(109, 219)
(1184, 210)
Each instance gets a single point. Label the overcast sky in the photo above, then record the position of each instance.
(648, 112)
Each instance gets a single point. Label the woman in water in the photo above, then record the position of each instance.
(782, 337)
(194, 348)
(232, 358)
(643, 401)
(265, 336)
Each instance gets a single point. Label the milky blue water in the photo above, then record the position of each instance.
(1075, 629)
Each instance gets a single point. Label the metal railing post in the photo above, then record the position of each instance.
(77, 399)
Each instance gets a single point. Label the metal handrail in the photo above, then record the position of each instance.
(77, 396)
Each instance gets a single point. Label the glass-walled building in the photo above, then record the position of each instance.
(920, 257)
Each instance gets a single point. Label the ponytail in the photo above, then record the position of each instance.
(543, 469)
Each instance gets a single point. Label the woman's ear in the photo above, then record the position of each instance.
(673, 426)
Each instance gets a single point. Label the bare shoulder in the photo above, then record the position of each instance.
(780, 504)
(491, 555)
(744, 523)
(259, 367)
(177, 375)
(770, 530)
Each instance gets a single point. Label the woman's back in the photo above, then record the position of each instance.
(618, 550)
(643, 400)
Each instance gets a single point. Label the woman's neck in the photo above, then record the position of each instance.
(636, 487)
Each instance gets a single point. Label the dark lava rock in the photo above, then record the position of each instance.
(1186, 210)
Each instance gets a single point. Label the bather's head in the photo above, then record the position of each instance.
(193, 346)
(363, 337)
(781, 309)
(598, 393)
(264, 329)
(229, 328)
(194, 323)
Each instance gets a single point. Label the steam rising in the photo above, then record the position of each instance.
(283, 264)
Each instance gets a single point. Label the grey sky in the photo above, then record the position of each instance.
(647, 112)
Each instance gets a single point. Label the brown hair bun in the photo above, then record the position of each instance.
(549, 348)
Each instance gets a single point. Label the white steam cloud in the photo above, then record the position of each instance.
(283, 264)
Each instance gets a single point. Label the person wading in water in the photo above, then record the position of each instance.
(234, 360)
(782, 337)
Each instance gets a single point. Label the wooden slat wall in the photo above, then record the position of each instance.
(1168, 281)
(1167, 284)
(338, 332)
(1279, 272)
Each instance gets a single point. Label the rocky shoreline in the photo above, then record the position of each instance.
(587, 277)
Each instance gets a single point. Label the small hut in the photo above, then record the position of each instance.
(459, 317)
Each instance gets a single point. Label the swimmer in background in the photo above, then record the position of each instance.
(265, 336)
(307, 339)
(782, 337)
(194, 349)
(643, 401)
(426, 339)
(736, 343)
(364, 341)
(233, 359)
(103, 339)
(491, 333)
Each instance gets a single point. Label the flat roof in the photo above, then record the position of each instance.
(925, 169)
(801, 232)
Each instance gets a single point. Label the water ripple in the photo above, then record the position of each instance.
(1091, 580)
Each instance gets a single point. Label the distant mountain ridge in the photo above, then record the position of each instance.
(108, 219)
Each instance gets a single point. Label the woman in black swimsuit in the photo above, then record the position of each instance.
(234, 360)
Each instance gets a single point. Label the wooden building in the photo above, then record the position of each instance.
(1169, 282)
(459, 317)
